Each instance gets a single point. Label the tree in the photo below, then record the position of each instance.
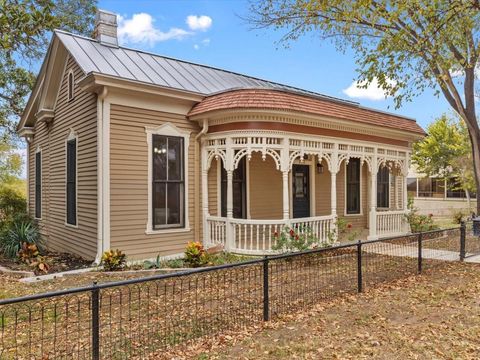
(25, 28)
(446, 152)
(405, 45)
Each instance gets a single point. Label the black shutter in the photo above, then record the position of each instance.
(38, 185)
(72, 182)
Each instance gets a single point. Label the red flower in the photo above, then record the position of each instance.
(275, 234)
(296, 237)
(349, 226)
(292, 232)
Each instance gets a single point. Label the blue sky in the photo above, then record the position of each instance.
(211, 32)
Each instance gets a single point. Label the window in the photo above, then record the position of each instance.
(71, 85)
(383, 187)
(168, 184)
(239, 192)
(71, 187)
(38, 184)
(353, 186)
(412, 187)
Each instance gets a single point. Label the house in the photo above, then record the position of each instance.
(439, 196)
(141, 152)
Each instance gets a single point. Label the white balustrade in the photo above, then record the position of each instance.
(258, 237)
(391, 223)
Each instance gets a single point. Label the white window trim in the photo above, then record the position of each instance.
(167, 129)
(38, 150)
(72, 135)
(70, 95)
(361, 188)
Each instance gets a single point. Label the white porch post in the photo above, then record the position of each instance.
(284, 167)
(373, 199)
(229, 232)
(286, 199)
(205, 214)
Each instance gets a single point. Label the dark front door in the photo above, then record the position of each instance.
(301, 191)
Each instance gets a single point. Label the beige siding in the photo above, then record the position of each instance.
(358, 221)
(213, 189)
(80, 114)
(266, 199)
(323, 191)
(129, 181)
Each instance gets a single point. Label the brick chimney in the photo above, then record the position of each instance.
(106, 28)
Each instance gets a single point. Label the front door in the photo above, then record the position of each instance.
(301, 191)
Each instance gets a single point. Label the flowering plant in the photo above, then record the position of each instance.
(297, 238)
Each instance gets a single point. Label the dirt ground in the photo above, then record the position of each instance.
(432, 316)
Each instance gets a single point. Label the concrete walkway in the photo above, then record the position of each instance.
(412, 252)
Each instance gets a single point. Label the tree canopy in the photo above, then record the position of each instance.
(405, 45)
(25, 29)
(446, 152)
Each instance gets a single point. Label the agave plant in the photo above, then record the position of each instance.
(19, 232)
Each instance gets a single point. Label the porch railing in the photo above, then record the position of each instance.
(257, 237)
(391, 223)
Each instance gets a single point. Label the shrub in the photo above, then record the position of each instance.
(345, 229)
(12, 203)
(417, 222)
(459, 216)
(195, 254)
(21, 230)
(28, 252)
(298, 238)
(40, 265)
(113, 260)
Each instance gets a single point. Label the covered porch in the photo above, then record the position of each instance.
(257, 182)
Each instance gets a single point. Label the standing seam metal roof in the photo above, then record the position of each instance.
(142, 66)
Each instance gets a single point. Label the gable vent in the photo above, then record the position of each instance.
(106, 28)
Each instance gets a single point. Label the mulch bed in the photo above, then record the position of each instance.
(57, 261)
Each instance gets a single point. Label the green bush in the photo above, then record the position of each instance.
(20, 230)
(12, 205)
(419, 223)
(113, 260)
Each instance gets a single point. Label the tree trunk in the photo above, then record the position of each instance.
(475, 137)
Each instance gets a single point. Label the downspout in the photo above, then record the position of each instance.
(100, 228)
(197, 178)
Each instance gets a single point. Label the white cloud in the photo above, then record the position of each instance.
(196, 46)
(196, 22)
(141, 29)
(371, 92)
(206, 41)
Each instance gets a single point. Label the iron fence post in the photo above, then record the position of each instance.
(95, 322)
(359, 267)
(462, 240)
(266, 300)
(419, 238)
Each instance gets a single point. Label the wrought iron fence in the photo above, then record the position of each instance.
(136, 318)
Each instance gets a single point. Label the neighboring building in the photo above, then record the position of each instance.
(438, 196)
(143, 153)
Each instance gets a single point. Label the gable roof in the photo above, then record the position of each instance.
(215, 86)
(137, 65)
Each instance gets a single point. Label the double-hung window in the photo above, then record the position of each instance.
(71, 187)
(353, 186)
(383, 187)
(168, 182)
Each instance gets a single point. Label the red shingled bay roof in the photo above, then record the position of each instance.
(281, 100)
